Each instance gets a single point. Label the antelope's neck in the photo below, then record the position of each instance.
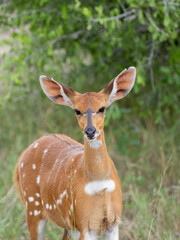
(96, 159)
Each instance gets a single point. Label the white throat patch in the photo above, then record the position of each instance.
(95, 187)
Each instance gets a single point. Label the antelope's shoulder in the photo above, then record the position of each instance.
(69, 140)
(53, 142)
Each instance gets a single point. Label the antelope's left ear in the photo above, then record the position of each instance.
(120, 86)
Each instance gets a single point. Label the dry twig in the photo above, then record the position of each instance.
(120, 16)
(156, 199)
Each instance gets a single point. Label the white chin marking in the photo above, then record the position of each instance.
(95, 143)
(95, 187)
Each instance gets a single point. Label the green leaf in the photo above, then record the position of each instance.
(64, 12)
(86, 12)
(141, 16)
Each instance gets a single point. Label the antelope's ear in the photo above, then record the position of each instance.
(120, 86)
(57, 92)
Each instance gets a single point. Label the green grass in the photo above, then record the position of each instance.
(149, 174)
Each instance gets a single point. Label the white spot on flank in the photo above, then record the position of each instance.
(71, 209)
(38, 179)
(47, 206)
(22, 165)
(41, 229)
(30, 213)
(72, 160)
(37, 195)
(24, 175)
(95, 187)
(42, 202)
(50, 207)
(54, 206)
(36, 144)
(75, 171)
(44, 153)
(24, 193)
(31, 199)
(36, 203)
(59, 201)
(33, 166)
(75, 202)
(36, 212)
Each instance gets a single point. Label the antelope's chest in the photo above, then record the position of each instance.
(101, 205)
(102, 212)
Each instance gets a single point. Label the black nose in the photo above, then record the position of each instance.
(90, 131)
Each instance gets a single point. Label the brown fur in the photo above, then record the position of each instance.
(51, 174)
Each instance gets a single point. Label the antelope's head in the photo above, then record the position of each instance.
(90, 107)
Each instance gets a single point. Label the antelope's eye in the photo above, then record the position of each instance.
(78, 112)
(101, 110)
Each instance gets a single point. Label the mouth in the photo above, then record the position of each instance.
(89, 138)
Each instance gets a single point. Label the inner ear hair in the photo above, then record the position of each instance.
(67, 90)
(57, 92)
(120, 86)
(109, 87)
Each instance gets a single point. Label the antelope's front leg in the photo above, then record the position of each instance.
(36, 226)
(112, 233)
(65, 235)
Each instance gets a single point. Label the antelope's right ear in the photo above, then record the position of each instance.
(57, 92)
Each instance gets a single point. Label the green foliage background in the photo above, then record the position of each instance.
(85, 44)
